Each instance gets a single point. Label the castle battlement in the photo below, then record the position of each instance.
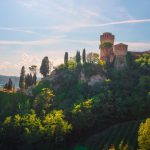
(120, 49)
(107, 37)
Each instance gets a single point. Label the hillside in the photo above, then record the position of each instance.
(126, 132)
(88, 104)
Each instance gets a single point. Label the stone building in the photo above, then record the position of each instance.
(111, 53)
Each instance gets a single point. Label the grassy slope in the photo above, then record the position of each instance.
(126, 132)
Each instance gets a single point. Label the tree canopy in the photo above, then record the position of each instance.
(44, 69)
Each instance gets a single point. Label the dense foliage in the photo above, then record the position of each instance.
(144, 135)
(9, 86)
(106, 45)
(65, 111)
(84, 56)
(22, 78)
(44, 69)
(66, 59)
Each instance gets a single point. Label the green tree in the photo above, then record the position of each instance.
(84, 56)
(44, 69)
(130, 60)
(144, 135)
(27, 80)
(143, 63)
(72, 64)
(66, 59)
(55, 124)
(93, 58)
(34, 79)
(78, 57)
(30, 80)
(22, 78)
(10, 84)
(43, 101)
(21, 130)
(33, 69)
(82, 115)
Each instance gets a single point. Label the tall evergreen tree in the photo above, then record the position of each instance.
(44, 69)
(34, 79)
(30, 80)
(22, 78)
(26, 81)
(10, 84)
(66, 59)
(78, 57)
(84, 56)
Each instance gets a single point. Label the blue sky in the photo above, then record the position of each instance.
(32, 29)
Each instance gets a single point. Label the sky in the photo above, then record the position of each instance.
(32, 29)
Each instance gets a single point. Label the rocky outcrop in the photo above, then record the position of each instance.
(93, 79)
(96, 79)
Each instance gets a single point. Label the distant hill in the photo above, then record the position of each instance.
(4, 80)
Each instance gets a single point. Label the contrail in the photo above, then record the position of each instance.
(31, 30)
(119, 22)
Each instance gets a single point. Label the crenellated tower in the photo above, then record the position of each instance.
(106, 47)
(107, 37)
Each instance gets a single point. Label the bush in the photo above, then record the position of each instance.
(144, 135)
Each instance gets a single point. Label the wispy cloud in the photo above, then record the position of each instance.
(16, 29)
(70, 27)
(51, 40)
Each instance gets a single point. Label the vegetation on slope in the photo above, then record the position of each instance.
(64, 111)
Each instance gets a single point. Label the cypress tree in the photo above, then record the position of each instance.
(84, 56)
(66, 59)
(26, 81)
(78, 57)
(10, 84)
(44, 69)
(22, 78)
(34, 79)
(30, 80)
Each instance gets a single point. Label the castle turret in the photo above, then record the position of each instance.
(106, 47)
(107, 37)
(120, 51)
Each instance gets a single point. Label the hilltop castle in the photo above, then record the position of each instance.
(111, 53)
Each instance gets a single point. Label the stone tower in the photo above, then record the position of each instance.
(106, 47)
(120, 51)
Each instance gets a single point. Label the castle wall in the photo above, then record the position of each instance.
(106, 54)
